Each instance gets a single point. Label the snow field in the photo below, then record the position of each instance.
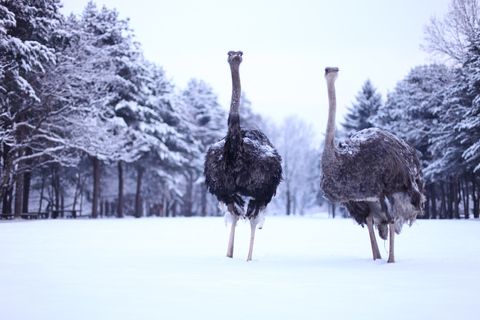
(175, 268)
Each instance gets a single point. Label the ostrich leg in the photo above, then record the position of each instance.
(373, 240)
(391, 257)
(232, 237)
(253, 226)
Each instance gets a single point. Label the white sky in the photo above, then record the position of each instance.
(286, 45)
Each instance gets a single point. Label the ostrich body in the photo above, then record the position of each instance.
(374, 174)
(242, 165)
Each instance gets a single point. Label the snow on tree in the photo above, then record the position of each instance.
(25, 27)
(208, 115)
(210, 126)
(468, 113)
(448, 38)
(470, 122)
(249, 118)
(411, 109)
(368, 102)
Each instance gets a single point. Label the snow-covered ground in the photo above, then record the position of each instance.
(175, 268)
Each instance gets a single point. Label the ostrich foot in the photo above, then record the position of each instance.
(391, 257)
(253, 226)
(373, 239)
(232, 237)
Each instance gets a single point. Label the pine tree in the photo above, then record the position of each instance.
(411, 110)
(210, 126)
(25, 28)
(368, 103)
(208, 115)
(469, 124)
(248, 118)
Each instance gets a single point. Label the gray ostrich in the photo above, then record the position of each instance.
(375, 175)
(242, 166)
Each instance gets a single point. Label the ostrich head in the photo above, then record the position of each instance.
(235, 57)
(331, 73)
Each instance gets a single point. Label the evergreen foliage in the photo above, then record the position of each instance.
(368, 102)
(87, 122)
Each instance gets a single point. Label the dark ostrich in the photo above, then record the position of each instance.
(243, 166)
(374, 174)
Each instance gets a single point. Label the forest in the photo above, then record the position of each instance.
(90, 127)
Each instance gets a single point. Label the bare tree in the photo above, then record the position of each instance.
(447, 38)
(296, 147)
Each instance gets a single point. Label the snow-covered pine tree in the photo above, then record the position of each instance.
(25, 27)
(210, 126)
(412, 111)
(207, 113)
(469, 124)
(92, 59)
(166, 124)
(368, 102)
(248, 118)
(459, 140)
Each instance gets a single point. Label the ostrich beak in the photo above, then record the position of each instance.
(330, 69)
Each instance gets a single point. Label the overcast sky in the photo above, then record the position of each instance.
(286, 45)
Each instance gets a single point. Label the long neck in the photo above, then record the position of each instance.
(332, 109)
(234, 116)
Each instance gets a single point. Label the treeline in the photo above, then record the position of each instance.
(437, 109)
(84, 116)
(87, 124)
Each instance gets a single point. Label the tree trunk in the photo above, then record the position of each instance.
(19, 188)
(204, 200)
(7, 200)
(120, 190)
(187, 199)
(78, 191)
(18, 197)
(331, 209)
(288, 205)
(41, 194)
(466, 199)
(62, 204)
(56, 191)
(27, 178)
(456, 211)
(450, 199)
(164, 207)
(428, 195)
(96, 186)
(434, 202)
(476, 213)
(138, 198)
(5, 175)
(443, 208)
(294, 201)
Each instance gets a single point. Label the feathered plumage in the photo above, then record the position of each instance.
(244, 164)
(374, 174)
(252, 169)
